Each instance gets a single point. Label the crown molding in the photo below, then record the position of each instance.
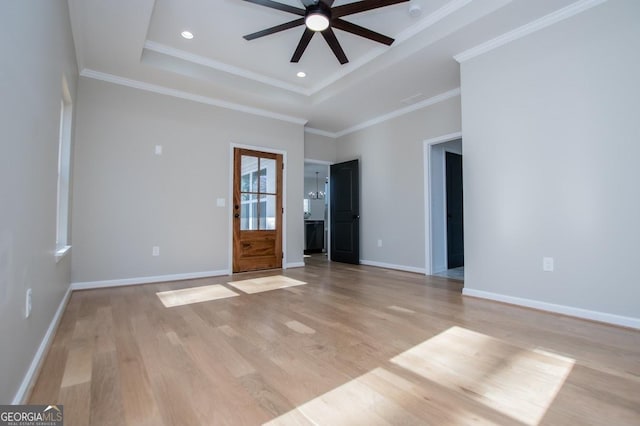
(110, 78)
(221, 66)
(320, 132)
(430, 20)
(530, 28)
(397, 113)
(402, 111)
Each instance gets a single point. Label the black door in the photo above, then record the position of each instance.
(345, 212)
(455, 232)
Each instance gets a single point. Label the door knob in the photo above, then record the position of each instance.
(356, 216)
(237, 215)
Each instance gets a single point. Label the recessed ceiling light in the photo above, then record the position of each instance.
(301, 74)
(187, 34)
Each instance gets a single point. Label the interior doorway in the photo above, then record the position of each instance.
(443, 202)
(316, 210)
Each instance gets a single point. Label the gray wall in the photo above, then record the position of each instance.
(551, 147)
(438, 202)
(37, 49)
(392, 181)
(127, 199)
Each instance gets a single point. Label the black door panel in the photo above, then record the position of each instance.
(345, 212)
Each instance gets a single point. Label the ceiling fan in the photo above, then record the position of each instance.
(320, 16)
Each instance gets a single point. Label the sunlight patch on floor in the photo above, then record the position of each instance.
(381, 397)
(186, 296)
(471, 378)
(258, 285)
(517, 382)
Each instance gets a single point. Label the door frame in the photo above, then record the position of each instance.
(328, 198)
(428, 241)
(232, 147)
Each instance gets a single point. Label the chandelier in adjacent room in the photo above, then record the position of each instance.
(317, 195)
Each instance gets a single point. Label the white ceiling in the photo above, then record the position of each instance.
(138, 43)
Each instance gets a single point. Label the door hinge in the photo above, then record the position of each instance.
(283, 210)
(283, 255)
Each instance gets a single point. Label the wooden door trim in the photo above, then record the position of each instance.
(232, 147)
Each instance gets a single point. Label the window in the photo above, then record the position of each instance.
(258, 193)
(64, 166)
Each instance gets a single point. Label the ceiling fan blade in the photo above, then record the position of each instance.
(333, 43)
(275, 29)
(361, 31)
(302, 45)
(327, 2)
(361, 6)
(279, 6)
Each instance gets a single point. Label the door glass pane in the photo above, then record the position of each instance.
(249, 213)
(268, 212)
(245, 183)
(268, 175)
(249, 174)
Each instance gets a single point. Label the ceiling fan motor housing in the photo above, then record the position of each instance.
(318, 9)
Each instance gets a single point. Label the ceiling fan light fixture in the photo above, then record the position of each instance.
(187, 34)
(317, 21)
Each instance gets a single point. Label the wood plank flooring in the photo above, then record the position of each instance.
(356, 345)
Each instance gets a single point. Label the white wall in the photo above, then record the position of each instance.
(37, 49)
(392, 182)
(439, 202)
(127, 199)
(321, 148)
(551, 147)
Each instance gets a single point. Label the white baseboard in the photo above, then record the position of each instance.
(146, 280)
(294, 265)
(36, 363)
(558, 309)
(392, 266)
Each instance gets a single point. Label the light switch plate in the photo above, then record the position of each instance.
(547, 264)
(221, 202)
(158, 150)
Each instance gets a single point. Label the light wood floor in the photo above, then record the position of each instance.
(356, 345)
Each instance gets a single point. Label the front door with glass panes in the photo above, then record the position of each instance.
(257, 210)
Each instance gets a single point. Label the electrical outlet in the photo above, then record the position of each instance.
(379, 243)
(28, 304)
(547, 264)
(158, 150)
(155, 251)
